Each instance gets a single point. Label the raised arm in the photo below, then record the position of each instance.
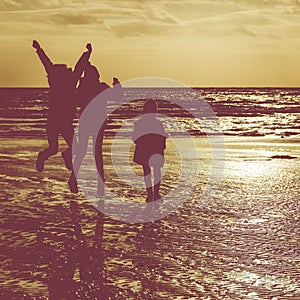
(116, 81)
(47, 63)
(117, 89)
(83, 61)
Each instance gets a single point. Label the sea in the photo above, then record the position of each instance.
(239, 111)
(242, 244)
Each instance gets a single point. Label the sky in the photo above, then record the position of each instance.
(201, 43)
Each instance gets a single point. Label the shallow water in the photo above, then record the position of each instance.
(244, 244)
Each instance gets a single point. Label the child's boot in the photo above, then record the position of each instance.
(156, 192)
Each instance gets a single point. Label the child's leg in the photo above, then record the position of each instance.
(67, 133)
(52, 136)
(80, 152)
(148, 183)
(98, 155)
(157, 178)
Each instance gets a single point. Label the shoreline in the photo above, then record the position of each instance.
(241, 245)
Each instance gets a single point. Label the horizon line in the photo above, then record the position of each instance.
(47, 87)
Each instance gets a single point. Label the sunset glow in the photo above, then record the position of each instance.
(198, 43)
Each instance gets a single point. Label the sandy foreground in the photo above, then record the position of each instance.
(244, 243)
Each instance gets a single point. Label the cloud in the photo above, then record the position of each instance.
(138, 28)
(73, 19)
(177, 19)
(159, 14)
(191, 39)
(264, 3)
(15, 5)
(238, 18)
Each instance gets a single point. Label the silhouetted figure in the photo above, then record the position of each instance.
(150, 139)
(62, 107)
(90, 87)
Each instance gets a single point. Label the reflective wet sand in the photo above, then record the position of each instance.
(244, 244)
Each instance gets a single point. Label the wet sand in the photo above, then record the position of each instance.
(244, 244)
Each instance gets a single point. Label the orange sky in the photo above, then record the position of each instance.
(196, 42)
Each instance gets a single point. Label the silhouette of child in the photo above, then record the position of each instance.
(62, 107)
(150, 139)
(90, 88)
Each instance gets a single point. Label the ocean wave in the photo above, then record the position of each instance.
(240, 111)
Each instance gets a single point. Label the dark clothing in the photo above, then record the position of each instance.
(62, 106)
(150, 139)
(62, 83)
(92, 115)
(147, 146)
(88, 90)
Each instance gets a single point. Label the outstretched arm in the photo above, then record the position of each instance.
(117, 89)
(47, 63)
(115, 81)
(83, 61)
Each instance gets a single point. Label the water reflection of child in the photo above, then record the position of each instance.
(150, 139)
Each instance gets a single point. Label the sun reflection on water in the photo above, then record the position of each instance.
(252, 169)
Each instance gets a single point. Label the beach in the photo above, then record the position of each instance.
(150, 150)
(242, 244)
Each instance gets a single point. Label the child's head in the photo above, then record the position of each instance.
(150, 107)
(62, 70)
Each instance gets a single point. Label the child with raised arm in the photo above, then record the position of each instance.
(150, 139)
(62, 106)
(89, 88)
(92, 95)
